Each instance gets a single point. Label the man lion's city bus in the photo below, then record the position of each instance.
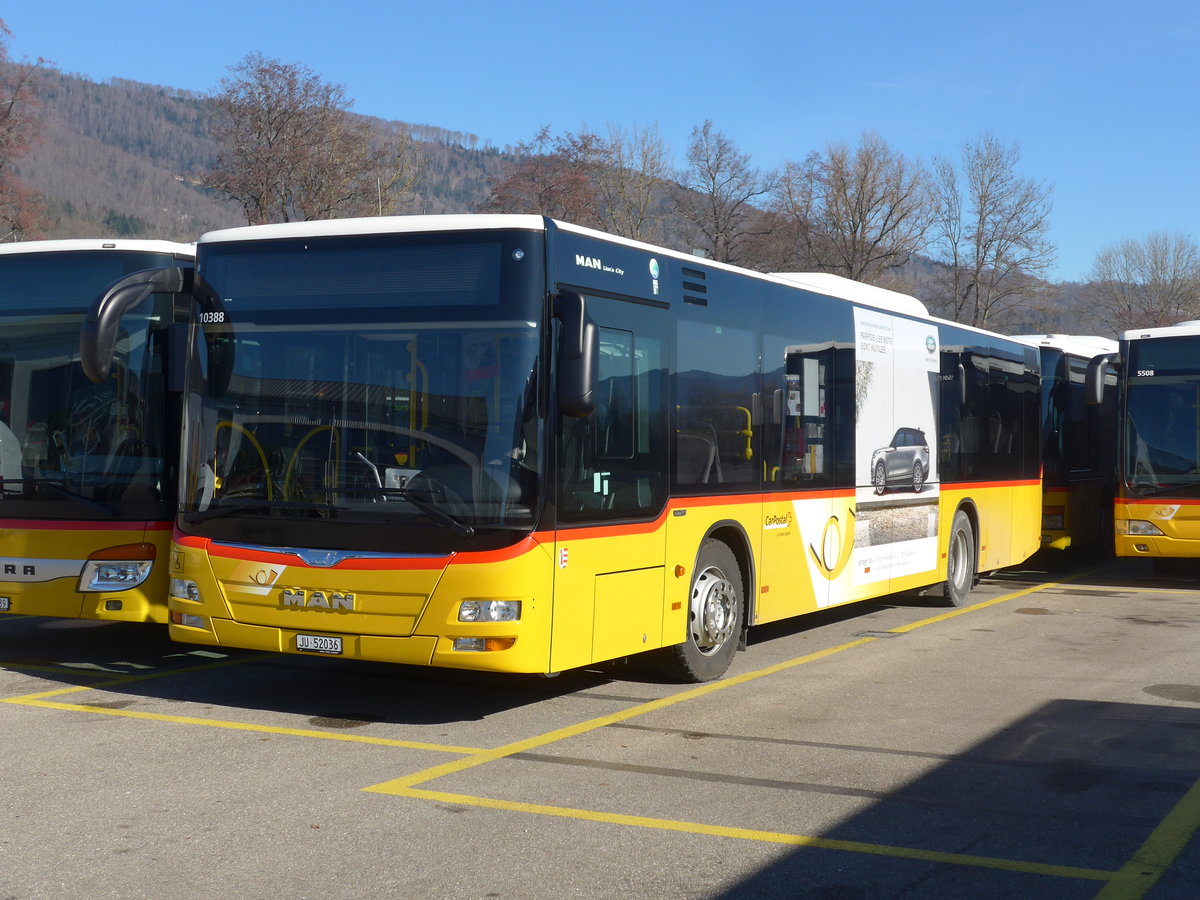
(1079, 456)
(88, 471)
(507, 443)
(1157, 507)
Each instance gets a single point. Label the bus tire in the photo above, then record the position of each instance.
(960, 561)
(715, 609)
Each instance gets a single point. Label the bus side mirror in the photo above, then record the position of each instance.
(98, 336)
(578, 356)
(1093, 385)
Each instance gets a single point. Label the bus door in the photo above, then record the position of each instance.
(610, 495)
(808, 526)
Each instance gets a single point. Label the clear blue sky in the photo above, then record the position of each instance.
(1102, 96)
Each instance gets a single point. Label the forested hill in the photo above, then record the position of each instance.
(120, 159)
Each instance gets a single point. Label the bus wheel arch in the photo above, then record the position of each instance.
(717, 609)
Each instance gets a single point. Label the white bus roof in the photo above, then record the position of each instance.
(1077, 344)
(857, 291)
(372, 225)
(1183, 329)
(65, 246)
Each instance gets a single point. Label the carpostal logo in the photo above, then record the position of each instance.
(777, 521)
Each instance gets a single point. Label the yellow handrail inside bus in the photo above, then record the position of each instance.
(747, 433)
(294, 459)
(262, 456)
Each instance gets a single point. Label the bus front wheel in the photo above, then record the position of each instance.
(960, 561)
(715, 606)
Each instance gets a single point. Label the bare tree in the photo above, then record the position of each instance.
(552, 177)
(857, 213)
(991, 236)
(292, 151)
(716, 203)
(20, 128)
(1143, 284)
(634, 166)
(613, 182)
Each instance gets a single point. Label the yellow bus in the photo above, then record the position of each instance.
(508, 443)
(1156, 510)
(1079, 456)
(87, 471)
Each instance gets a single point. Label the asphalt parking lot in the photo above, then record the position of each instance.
(1044, 742)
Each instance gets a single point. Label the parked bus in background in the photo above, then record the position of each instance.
(511, 444)
(1079, 441)
(87, 471)
(1157, 505)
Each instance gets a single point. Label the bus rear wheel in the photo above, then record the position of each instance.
(715, 608)
(960, 561)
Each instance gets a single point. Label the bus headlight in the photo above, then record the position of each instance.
(185, 589)
(1137, 527)
(489, 611)
(113, 574)
(117, 568)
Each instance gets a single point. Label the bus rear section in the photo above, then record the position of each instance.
(87, 470)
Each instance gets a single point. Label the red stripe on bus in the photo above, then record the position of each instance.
(44, 525)
(374, 563)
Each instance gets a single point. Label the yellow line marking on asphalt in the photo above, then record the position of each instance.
(579, 728)
(983, 604)
(773, 837)
(1156, 855)
(405, 786)
(121, 680)
(246, 726)
(53, 670)
(41, 699)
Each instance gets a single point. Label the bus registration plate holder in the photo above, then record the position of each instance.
(319, 643)
(5, 604)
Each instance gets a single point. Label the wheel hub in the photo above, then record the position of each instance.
(712, 610)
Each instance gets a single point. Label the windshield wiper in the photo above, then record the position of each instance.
(462, 529)
(104, 508)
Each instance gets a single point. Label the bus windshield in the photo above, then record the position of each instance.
(70, 448)
(1163, 417)
(386, 380)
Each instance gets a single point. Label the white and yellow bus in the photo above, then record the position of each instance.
(87, 471)
(1079, 443)
(511, 444)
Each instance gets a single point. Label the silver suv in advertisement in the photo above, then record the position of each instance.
(903, 464)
